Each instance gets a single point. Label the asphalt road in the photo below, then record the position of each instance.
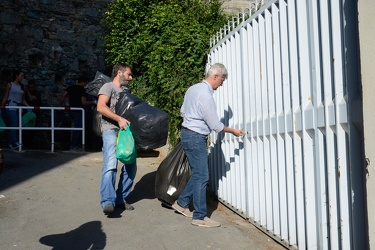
(51, 201)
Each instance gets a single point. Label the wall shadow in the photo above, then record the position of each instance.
(88, 236)
(20, 166)
(222, 172)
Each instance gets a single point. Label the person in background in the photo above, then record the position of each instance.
(14, 96)
(32, 95)
(77, 99)
(199, 119)
(111, 123)
(33, 98)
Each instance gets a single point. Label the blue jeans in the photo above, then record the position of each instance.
(109, 170)
(195, 146)
(12, 116)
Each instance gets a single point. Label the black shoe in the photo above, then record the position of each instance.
(125, 206)
(108, 209)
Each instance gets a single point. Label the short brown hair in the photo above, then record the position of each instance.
(121, 67)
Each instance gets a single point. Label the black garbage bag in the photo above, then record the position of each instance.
(150, 126)
(172, 175)
(149, 123)
(93, 87)
(125, 103)
(96, 123)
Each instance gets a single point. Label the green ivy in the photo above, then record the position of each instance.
(166, 42)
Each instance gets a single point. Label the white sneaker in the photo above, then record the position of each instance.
(15, 145)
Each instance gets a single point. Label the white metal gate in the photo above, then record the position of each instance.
(293, 86)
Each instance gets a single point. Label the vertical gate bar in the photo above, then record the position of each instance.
(253, 211)
(224, 143)
(265, 176)
(231, 170)
(271, 126)
(331, 166)
(280, 124)
(239, 157)
(233, 122)
(214, 143)
(223, 92)
(307, 130)
(266, 137)
(218, 169)
(227, 138)
(341, 136)
(297, 141)
(257, 175)
(212, 156)
(226, 164)
(319, 155)
(288, 125)
(246, 114)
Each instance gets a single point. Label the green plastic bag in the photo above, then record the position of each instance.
(125, 148)
(29, 119)
(2, 124)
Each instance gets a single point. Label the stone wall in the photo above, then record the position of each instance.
(54, 41)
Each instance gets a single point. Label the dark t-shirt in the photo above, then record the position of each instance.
(37, 102)
(75, 93)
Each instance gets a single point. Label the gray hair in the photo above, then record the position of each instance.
(217, 69)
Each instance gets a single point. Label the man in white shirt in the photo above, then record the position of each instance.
(199, 119)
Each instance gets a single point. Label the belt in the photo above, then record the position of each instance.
(186, 128)
(11, 101)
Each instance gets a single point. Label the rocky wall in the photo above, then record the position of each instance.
(53, 41)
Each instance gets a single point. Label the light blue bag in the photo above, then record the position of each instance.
(125, 148)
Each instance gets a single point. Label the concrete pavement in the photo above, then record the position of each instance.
(51, 201)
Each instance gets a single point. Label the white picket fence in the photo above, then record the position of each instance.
(293, 87)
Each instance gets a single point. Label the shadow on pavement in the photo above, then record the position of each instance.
(88, 236)
(20, 166)
(143, 189)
